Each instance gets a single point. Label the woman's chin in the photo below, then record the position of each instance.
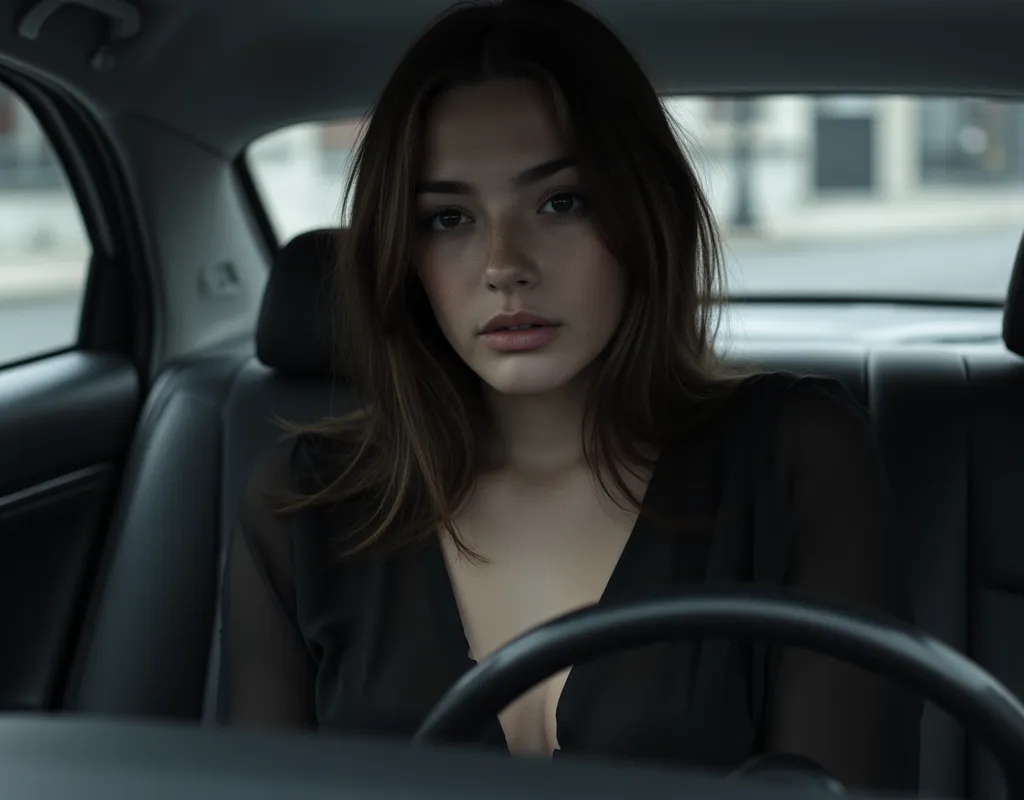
(527, 382)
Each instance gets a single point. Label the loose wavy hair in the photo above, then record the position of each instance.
(411, 454)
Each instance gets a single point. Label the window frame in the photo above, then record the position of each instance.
(256, 207)
(115, 306)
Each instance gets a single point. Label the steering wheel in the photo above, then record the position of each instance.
(873, 641)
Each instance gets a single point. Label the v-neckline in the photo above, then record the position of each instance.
(443, 589)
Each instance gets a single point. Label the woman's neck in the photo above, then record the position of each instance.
(537, 432)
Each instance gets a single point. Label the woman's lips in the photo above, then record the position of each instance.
(521, 340)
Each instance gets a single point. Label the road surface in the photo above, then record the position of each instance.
(968, 265)
(39, 326)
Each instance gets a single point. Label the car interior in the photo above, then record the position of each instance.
(123, 457)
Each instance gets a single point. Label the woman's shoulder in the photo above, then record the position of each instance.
(283, 469)
(804, 416)
(285, 477)
(784, 411)
(787, 398)
(810, 402)
(299, 463)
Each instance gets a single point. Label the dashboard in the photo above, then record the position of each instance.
(51, 757)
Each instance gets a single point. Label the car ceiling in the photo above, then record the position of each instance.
(226, 71)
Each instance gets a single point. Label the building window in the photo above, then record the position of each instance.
(844, 136)
(970, 141)
(728, 110)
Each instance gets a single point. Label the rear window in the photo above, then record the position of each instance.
(840, 196)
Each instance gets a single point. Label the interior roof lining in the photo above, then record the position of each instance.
(297, 60)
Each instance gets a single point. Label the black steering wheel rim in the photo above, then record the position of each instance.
(873, 641)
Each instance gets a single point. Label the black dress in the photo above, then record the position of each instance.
(785, 487)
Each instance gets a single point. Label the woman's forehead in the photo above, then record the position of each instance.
(506, 125)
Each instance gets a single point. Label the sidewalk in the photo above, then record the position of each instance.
(34, 278)
(843, 220)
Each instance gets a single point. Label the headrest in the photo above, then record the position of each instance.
(1013, 311)
(294, 332)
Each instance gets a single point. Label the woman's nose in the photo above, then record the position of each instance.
(508, 265)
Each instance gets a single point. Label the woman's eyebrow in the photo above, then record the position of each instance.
(543, 171)
(525, 178)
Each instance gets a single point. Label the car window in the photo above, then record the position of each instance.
(44, 246)
(837, 196)
(300, 174)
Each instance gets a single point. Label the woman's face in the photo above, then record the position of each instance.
(504, 230)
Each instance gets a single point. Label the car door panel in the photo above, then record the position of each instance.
(65, 426)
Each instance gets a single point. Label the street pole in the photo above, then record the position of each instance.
(743, 158)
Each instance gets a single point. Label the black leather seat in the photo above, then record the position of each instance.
(149, 649)
(950, 422)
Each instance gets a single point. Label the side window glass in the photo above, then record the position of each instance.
(300, 173)
(44, 245)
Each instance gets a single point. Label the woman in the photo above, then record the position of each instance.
(528, 280)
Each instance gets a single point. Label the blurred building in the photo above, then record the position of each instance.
(859, 164)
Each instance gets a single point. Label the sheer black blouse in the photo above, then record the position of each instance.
(785, 487)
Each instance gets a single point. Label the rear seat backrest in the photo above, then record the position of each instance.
(920, 401)
(982, 412)
(995, 558)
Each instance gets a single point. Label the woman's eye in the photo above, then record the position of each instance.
(445, 220)
(563, 203)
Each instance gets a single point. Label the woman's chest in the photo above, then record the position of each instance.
(422, 619)
(543, 551)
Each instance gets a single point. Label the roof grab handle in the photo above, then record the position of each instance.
(126, 21)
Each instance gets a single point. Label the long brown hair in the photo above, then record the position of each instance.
(412, 452)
